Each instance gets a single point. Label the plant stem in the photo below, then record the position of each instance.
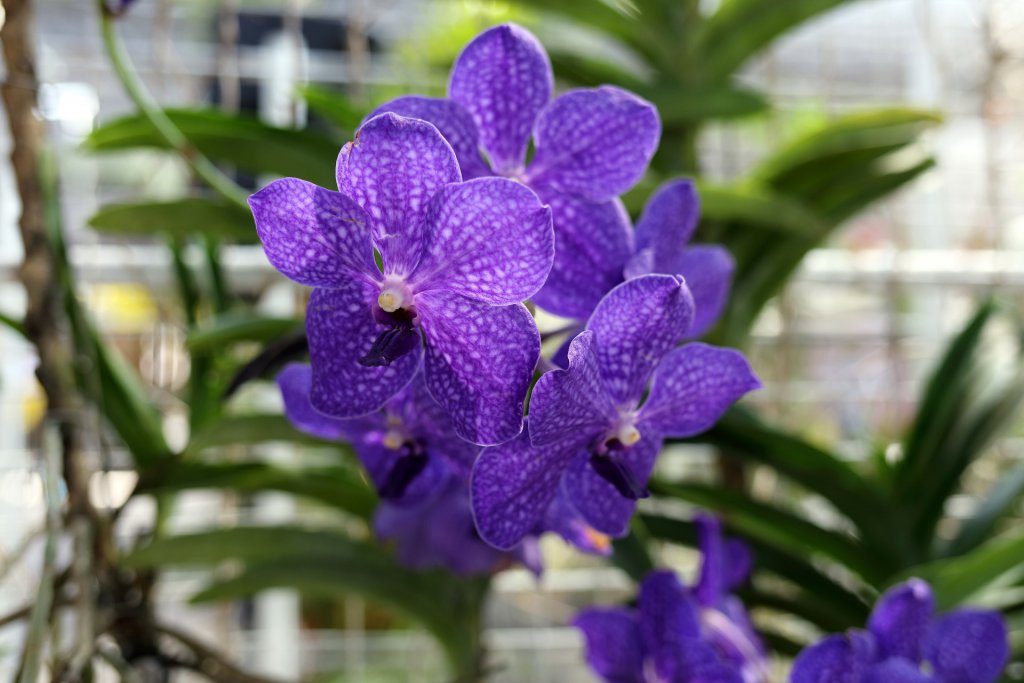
(136, 89)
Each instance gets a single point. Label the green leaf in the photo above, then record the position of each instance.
(236, 327)
(775, 526)
(328, 563)
(334, 106)
(756, 209)
(339, 487)
(242, 141)
(994, 506)
(232, 430)
(739, 29)
(961, 579)
(739, 434)
(179, 218)
(793, 569)
(13, 324)
(689, 104)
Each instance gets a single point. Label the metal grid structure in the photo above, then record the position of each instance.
(843, 350)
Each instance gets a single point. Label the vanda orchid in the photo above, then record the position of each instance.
(457, 261)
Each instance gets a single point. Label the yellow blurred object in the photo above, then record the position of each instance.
(601, 542)
(122, 308)
(33, 408)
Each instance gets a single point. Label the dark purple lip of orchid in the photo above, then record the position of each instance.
(411, 462)
(399, 339)
(607, 462)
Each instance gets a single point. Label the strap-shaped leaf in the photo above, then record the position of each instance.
(961, 579)
(795, 570)
(178, 218)
(232, 328)
(776, 527)
(334, 106)
(234, 430)
(241, 141)
(328, 563)
(739, 29)
(339, 487)
(994, 506)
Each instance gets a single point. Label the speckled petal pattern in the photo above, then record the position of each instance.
(900, 620)
(295, 382)
(667, 615)
(667, 223)
(594, 143)
(479, 362)
(693, 386)
(454, 123)
(836, 659)
(895, 671)
(968, 646)
(392, 169)
(488, 239)
(572, 404)
(512, 486)
(341, 330)
(597, 501)
(431, 424)
(311, 235)
(593, 241)
(503, 78)
(614, 649)
(636, 324)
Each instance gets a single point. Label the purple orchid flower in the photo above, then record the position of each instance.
(612, 252)
(439, 532)
(409, 447)
(906, 643)
(591, 145)
(457, 261)
(591, 431)
(726, 564)
(661, 641)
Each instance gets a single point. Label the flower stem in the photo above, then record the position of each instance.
(165, 128)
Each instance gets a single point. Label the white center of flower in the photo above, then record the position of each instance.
(628, 435)
(393, 439)
(391, 299)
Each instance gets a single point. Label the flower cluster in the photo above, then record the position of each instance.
(906, 643)
(679, 634)
(422, 350)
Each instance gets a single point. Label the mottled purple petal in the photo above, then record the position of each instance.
(696, 661)
(711, 584)
(968, 646)
(489, 239)
(341, 330)
(479, 363)
(613, 643)
(454, 123)
(593, 241)
(836, 659)
(313, 236)
(295, 382)
(439, 532)
(572, 404)
(694, 385)
(392, 169)
(424, 418)
(895, 670)
(512, 486)
(636, 324)
(728, 626)
(900, 620)
(640, 263)
(563, 519)
(708, 271)
(741, 561)
(668, 617)
(598, 501)
(667, 223)
(503, 78)
(380, 461)
(594, 143)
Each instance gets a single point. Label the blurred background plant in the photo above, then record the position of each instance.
(834, 515)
